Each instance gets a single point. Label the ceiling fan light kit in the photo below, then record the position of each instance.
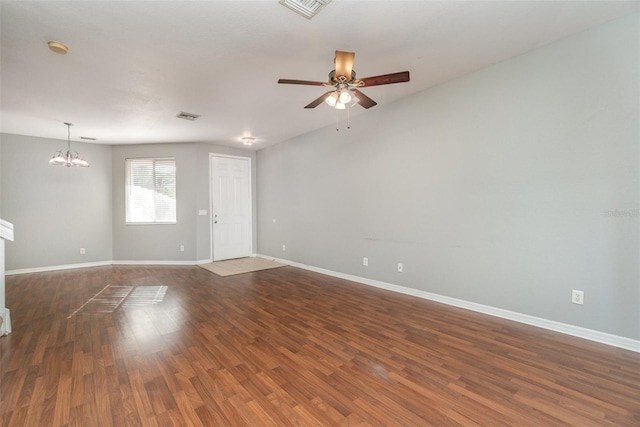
(332, 99)
(345, 96)
(344, 83)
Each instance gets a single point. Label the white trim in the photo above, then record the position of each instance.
(98, 264)
(57, 267)
(6, 230)
(5, 328)
(152, 262)
(576, 331)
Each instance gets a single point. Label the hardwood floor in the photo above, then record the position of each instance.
(165, 345)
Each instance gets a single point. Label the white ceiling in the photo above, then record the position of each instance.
(133, 65)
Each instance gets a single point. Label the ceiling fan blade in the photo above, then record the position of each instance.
(386, 79)
(318, 101)
(344, 64)
(300, 82)
(363, 99)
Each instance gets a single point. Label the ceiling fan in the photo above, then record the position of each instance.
(344, 83)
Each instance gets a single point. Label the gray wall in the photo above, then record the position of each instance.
(156, 242)
(509, 187)
(58, 210)
(55, 210)
(162, 242)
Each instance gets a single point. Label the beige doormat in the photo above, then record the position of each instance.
(241, 265)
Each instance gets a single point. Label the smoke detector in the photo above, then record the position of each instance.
(58, 47)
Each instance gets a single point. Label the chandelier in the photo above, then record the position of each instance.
(70, 158)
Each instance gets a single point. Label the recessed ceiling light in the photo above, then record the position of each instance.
(58, 47)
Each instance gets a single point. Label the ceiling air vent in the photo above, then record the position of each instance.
(306, 8)
(187, 116)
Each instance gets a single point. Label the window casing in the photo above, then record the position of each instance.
(150, 191)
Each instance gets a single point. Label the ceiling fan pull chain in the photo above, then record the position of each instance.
(348, 116)
(337, 120)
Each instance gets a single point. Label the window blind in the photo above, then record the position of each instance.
(151, 191)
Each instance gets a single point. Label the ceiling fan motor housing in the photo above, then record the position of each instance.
(341, 79)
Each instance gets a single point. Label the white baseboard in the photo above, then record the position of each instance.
(57, 267)
(97, 264)
(102, 263)
(576, 331)
(152, 262)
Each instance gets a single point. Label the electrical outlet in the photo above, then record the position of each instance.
(284, 248)
(577, 297)
(400, 267)
(365, 261)
(181, 248)
(82, 251)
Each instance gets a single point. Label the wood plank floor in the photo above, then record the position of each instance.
(165, 345)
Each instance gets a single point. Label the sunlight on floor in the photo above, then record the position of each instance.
(110, 298)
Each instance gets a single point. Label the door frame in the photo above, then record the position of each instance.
(250, 205)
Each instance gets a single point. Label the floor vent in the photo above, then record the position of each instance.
(306, 8)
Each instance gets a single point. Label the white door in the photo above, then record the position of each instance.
(230, 207)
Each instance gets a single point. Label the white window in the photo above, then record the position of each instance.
(151, 191)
